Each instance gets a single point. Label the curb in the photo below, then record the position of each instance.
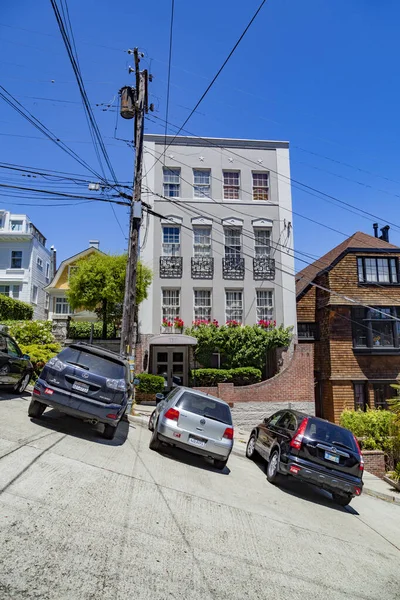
(381, 496)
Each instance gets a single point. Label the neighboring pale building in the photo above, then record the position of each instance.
(223, 246)
(26, 265)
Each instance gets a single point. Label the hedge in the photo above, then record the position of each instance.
(80, 330)
(150, 384)
(30, 332)
(40, 354)
(14, 309)
(212, 377)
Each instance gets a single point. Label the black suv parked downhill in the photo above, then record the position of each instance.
(310, 449)
(87, 382)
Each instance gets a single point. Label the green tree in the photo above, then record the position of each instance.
(98, 284)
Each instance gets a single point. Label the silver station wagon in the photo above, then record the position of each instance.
(195, 422)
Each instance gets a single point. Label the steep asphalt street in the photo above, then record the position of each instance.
(82, 518)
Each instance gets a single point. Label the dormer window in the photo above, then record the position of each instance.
(377, 270)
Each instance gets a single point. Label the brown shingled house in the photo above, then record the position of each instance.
(357, 347)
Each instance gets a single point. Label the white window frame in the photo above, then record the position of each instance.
(230, 190)
(47, 272)
(18, 222)
(170, 303)
(172, 182)
(35, 294)
(202, 304)
(171, 248)
(202, 242)
(7, 292)
(39, 263)
(15, 258)
(46, 301)
(234, 313)
(62, 302)
(201, 183)
(260, 189)
(265, 305)
(262, 249)
(232, 250)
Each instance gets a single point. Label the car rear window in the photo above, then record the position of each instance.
(323, 431)
(93, 362)
(205, 407)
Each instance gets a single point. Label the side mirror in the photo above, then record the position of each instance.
(159, 398)
(266, 420)
(26, 356)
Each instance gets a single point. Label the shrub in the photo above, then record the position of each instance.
(245, 375)
(150, 384)
(14, 309)
(30, 332)
(375, 427)
(40, 354)
(395, 475)
(212, 377)
(80, 330)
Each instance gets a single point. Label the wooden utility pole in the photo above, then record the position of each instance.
(128, 334)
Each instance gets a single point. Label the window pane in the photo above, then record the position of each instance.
(201, 177)
(171, 241)
(5, 289)
(62, 306)
(262, 242)
(171, 175)
(231, 185)
(16, 225)
(170, 304)
(202, 241)
(231, 177)
(16, 259)
(383, 270)
(393, 270)
(360, 269)
(265, 305)
(97, 364)
(382, 393)
(203, 406)
(260, 186)
(360, 399)
(370, 269)
(382, 334)
(234, 306)
(202, 305)
(233, 245)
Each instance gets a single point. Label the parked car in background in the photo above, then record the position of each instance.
(195, 422)
(86, 382)
(310, 449)
(16, 368)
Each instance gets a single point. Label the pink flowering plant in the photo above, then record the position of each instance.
(166, 323)
(266, 324)
(178, 323)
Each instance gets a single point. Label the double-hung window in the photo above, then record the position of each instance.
(377, 270)
(47, 272)
(34, 294)
(376, 327)
(171, 182)
(233, 242)
(201, 241)
(61, 306)
(265, 305)
(260, 186)
(39, 263)
(262, 242)
(5, 290)
(16, 259)
(170, 304)
(201, 183)
(171, 244)
(16, 225)
(231, 185)
(234, 305)
(202, 305)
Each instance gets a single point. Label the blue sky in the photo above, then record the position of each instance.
(322, 75)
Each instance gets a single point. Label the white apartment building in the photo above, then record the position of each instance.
(222, 247)
(26, 265)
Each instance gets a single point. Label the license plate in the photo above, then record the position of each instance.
(80, 387)
(331, 457)
(197, 442)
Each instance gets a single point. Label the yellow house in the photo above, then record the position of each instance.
(58, 287)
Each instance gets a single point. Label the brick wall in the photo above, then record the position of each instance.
(374, 462)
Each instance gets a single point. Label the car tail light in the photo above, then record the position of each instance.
(361, 456)
(116, 384)
(297, 439)
(111, 416)
(357, 491)
(48, 391)
(294, 469)
(172, 414)
(228, 435)
(36, 391)
(56, 364)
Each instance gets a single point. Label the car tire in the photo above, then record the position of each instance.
(155, 443)
(342, 499)
(36, 409)
(109, 432)
(151, 421)
(251, 451)
(22, 384)
(273, 467)
(220, 464)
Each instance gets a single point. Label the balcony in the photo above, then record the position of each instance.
(171, 267)
(233, 267)
(263, 268)
(202, 267)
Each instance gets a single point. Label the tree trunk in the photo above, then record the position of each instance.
(104, 334)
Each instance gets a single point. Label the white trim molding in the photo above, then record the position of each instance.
(232, 222)
(172, 219)
(262, 223)
(202, 221)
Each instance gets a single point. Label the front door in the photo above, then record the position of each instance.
(171, 363)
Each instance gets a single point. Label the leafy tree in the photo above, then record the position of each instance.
(98, 284)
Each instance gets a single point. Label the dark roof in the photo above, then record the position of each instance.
(357, 240)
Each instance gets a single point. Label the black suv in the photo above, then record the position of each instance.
(87, 382)
(310, 449)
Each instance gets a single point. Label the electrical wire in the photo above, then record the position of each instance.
(169, 70)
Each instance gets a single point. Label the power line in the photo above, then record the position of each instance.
(169, 67)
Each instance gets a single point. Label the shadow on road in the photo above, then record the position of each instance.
(289, 485)
(199, 462)
(57, 421)
(7, 394)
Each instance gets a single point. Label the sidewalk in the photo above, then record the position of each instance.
(373, 486)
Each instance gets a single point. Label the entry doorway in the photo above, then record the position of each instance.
(171, 362)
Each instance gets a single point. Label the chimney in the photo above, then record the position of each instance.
(94, 244)
(385, 233)
(375, 226)
(53, 259)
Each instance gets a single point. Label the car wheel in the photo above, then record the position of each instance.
(220, 464)
(109, 432)
(342, 499)
(151, 421)
(36, 409)
(21, 385)
(273, 467)
(251, 451)
(155, 443)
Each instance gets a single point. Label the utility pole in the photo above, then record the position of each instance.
(139, 99)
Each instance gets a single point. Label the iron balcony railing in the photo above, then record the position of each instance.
(233, 267)
(263, 268)
(171, 267)
(202, 267)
